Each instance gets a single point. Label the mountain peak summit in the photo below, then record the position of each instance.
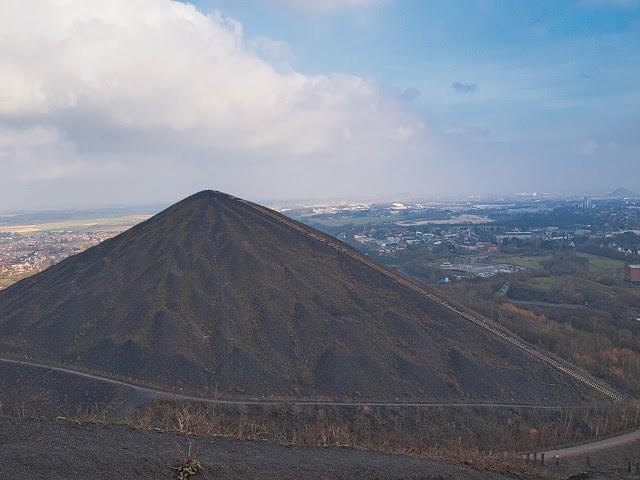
(219, 293)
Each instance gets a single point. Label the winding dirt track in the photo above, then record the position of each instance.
(591, 447)
(564, 452)
(220, 401)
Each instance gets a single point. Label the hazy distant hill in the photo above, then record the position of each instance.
(622, 193)
(213, 293)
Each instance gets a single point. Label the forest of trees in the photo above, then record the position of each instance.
(585, 318)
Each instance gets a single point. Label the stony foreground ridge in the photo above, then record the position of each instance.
(213, 294)
(61, 449)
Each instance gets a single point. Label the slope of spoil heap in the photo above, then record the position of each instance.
(216, 293)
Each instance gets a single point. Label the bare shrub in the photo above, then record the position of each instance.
(194, 420)
(189, 466)
(90, 415)
(452, 435)
(141, 419)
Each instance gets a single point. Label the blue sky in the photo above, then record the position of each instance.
(152, 100)
(532, 67)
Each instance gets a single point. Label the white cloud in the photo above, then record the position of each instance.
(24, 153)
(406, 132)
(97, 80)
(590, 147)
(276, 52)
(456, 130)
(26, 138)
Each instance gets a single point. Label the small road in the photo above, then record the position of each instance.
(564, 452)
(591, 447)
(193, 398)
(546, 304)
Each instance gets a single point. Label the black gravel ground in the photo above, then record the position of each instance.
(62, 449)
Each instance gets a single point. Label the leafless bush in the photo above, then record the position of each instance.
(141, 419)
(194, 420)
(479, 459)
(90, 415)
(19, 410)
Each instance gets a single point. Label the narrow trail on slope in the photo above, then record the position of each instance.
(592, 447)
(323, 403)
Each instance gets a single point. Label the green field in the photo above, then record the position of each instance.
(547, 283)
(583, 282)
(557, 282)
(599, 265)
(602, 265)
(526, 261)
(5, 282)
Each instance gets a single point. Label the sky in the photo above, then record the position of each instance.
(143, 101)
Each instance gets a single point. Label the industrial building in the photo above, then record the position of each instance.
(632, 273)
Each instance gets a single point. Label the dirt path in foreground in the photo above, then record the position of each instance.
(592, 447)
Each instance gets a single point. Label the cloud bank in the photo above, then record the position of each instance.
(154, 94)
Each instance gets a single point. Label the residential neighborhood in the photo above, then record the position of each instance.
(24, 254)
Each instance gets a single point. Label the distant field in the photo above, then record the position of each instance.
(454, 220)
(557, 282)
(547, 283)
(399, 220)
(599, 265)
(526, 261)
(89, 225)
(5, 282)
(590, 283)
(337, 222)
(602, 265)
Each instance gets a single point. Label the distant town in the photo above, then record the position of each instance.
(24, 254)
(33, 241)
(477, 228)
(469, 230)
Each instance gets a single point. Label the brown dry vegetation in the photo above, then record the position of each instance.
(25, 390)
(293, 427)
(71, 450)
(477, 437)
(366, 429)
(418, 431)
